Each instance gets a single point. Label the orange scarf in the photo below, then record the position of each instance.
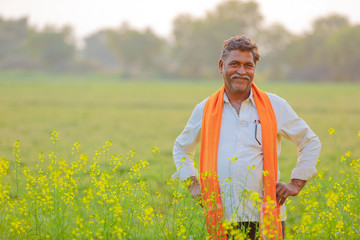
(270, 223)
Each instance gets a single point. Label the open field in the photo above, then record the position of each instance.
(142, 114)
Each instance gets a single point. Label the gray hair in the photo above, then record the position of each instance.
(242, 43)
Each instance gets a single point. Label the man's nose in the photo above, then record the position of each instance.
(241, 70)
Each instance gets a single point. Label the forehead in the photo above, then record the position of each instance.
(241, 56)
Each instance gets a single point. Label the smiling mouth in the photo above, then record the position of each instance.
(240, 78)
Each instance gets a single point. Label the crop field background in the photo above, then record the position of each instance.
(141, 115)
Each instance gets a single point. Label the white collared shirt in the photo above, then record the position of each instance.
(240, 156)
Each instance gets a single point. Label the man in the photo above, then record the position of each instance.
(240, 129)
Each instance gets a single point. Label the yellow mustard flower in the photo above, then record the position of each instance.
(331, 131)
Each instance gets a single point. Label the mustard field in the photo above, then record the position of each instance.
(90, 157)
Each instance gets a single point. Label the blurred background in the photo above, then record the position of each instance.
(299, 41)
(132, 71)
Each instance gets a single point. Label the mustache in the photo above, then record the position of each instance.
(240, 76)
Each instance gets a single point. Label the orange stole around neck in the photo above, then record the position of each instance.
(270, 222)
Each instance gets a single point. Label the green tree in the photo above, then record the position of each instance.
(272, 41)
(138, 52)
(53, 48)
(330, 24)
(314, 56)
(343, 54)
(97, 50)
(197, 42)
(13, 40)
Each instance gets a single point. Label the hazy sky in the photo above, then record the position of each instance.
(86, 16)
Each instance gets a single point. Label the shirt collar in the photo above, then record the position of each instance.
(250, 98)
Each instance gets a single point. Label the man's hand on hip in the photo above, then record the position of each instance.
(195, 188)
(284, 190)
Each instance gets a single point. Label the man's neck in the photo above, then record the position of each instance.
(236, 99)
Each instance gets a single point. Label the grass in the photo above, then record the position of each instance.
(140, 115)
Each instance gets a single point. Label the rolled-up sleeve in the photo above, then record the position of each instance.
(185, 144)
(296, 130)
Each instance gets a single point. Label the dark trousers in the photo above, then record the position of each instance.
(252, 229)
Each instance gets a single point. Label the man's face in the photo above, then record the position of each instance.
(238, 71)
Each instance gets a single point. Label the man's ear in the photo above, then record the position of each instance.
(221, 64)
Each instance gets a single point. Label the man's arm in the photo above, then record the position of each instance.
(308, 145)
(184, 150)
(184, 147)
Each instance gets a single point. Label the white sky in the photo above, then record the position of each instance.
(87, 16)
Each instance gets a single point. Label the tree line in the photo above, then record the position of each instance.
(328, 52)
